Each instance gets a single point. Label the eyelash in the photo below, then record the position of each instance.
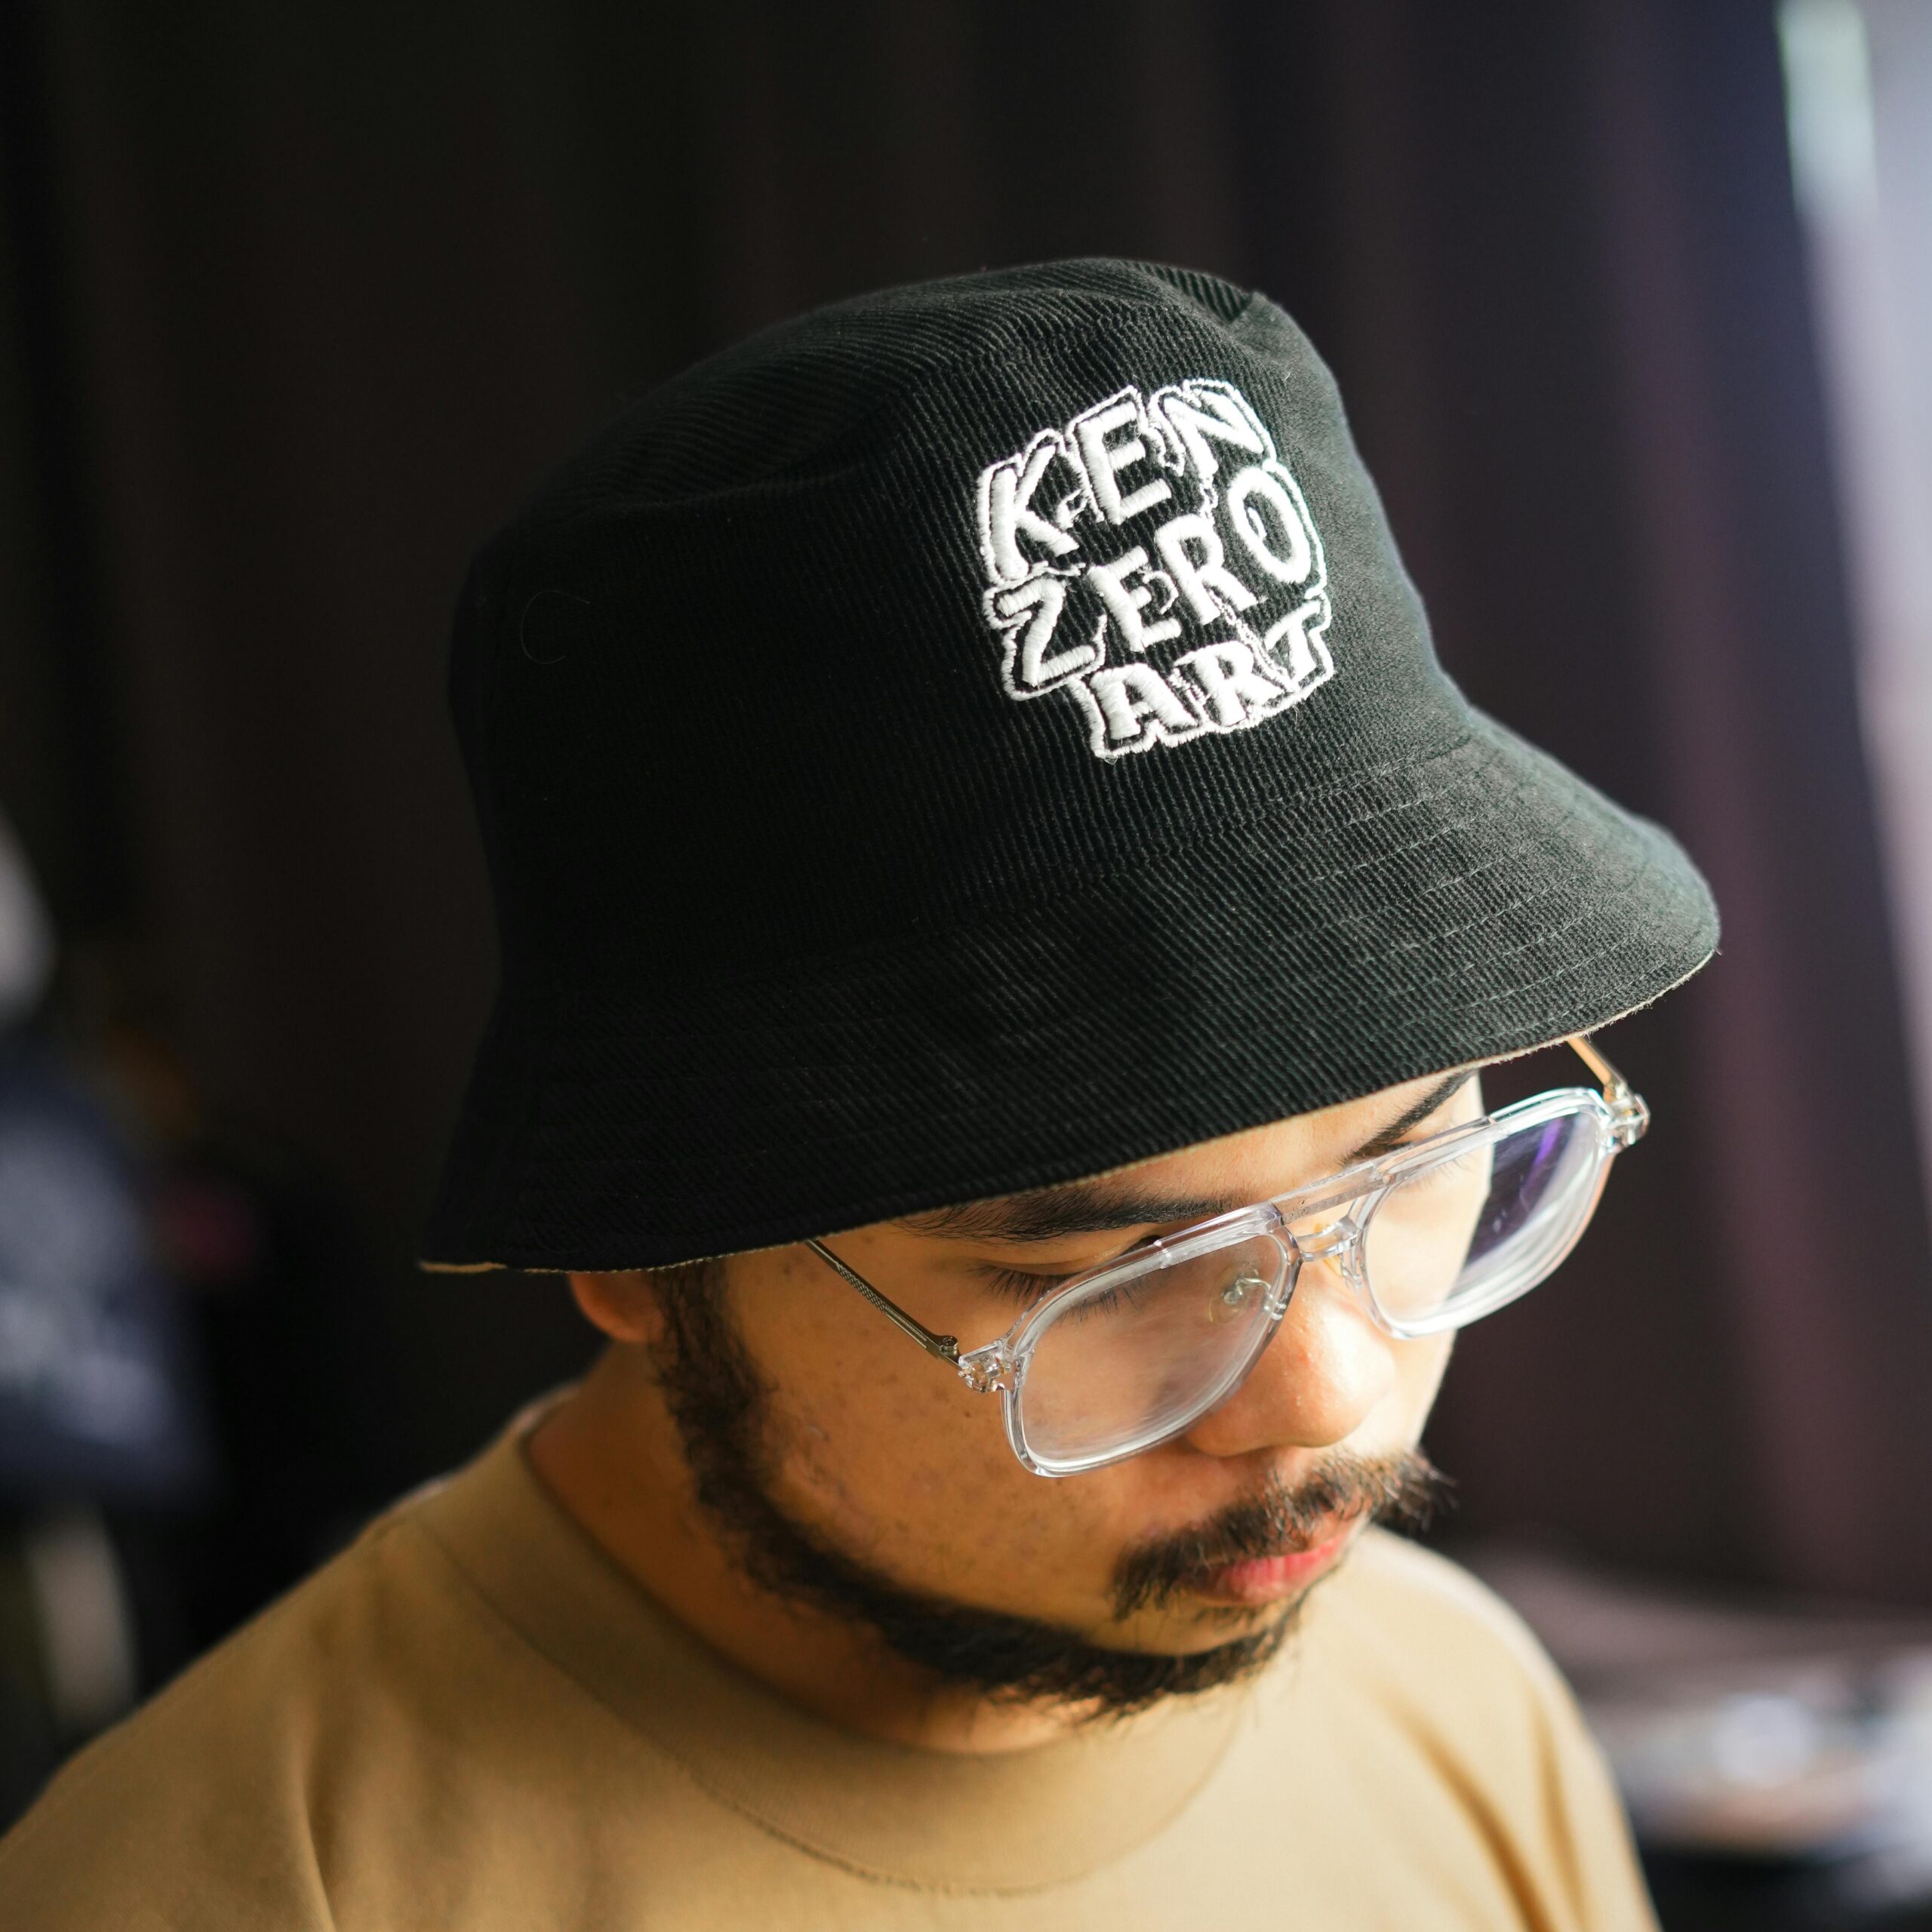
(1033, 1289)
(1017, 1283)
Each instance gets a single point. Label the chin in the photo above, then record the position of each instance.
(1191, 1629)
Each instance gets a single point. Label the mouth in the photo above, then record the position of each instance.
(1259, 1581)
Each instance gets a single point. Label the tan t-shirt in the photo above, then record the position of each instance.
(471, 1721)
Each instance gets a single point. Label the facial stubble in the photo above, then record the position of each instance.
(722, 1409)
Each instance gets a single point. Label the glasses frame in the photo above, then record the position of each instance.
(999, 1367)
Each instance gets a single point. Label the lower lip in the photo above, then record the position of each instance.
(1271, 1578)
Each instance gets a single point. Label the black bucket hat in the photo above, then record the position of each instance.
(976, 736)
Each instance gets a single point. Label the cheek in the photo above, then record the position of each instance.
(885, 1437)
(882, 1448)
(877, 1443)
(917, 1476)
(1418, 1371)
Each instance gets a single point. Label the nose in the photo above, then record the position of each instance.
(1325, 1372)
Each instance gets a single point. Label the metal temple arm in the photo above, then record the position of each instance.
(1632, 1115)
(946, 1347)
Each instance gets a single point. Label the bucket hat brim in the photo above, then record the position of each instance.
(1465, 906)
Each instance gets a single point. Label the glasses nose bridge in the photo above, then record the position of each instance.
(1339, 1239)
(1339, 1242)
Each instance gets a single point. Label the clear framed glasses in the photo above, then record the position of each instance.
(1429, 1237)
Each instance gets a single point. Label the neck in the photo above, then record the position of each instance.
(609, 1454)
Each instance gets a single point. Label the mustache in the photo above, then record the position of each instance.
(1405, 1489)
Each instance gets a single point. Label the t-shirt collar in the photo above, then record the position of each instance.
(1013, 1820)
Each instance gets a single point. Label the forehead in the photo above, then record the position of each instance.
(1208, 1178)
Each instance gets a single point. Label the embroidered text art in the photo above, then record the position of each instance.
(1155, 559)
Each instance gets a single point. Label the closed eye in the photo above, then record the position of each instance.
(1021, 1285)
(1027, 1286)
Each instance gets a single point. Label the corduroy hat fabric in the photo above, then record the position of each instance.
(976, 736)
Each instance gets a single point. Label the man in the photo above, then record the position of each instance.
(1001, 913)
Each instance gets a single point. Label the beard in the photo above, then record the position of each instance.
(721, 1408)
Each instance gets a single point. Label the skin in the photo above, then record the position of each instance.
(882, 1449)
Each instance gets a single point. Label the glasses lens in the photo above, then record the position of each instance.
(1142, 1355)
(1460, 1236)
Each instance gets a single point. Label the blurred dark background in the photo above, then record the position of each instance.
(295, 303)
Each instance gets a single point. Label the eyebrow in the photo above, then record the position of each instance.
(1097, 1207)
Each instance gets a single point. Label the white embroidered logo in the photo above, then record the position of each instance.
(1155, 559)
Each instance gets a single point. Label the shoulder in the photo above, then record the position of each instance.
(223, 1771)
(1419, 1690)
(1403, 1590)
(1419, 1638)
